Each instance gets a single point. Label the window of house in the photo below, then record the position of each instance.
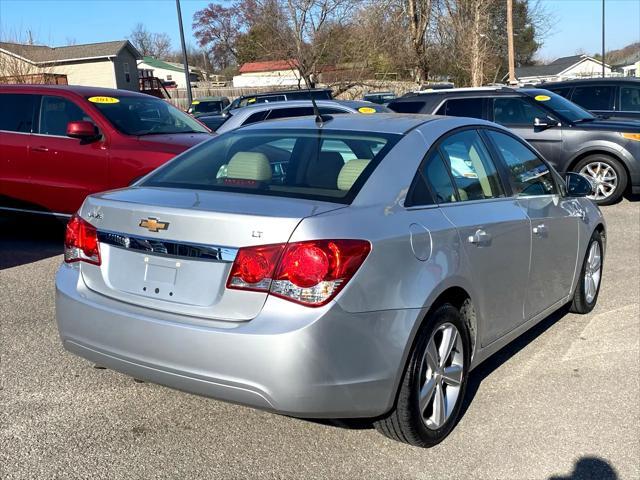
(597, 97)
(17, 112)
(169, 77)
(528, 174)
(127, 73)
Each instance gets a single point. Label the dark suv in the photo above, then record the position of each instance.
(609, 97)
(569, 137)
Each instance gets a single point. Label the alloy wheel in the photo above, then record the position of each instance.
(592, 272)
(604, 177)
(441, 375)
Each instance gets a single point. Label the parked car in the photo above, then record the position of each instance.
(208, 106)
(610, 97)
(60, 143)
(568, 136)
(381, 98)
(366, 286)
(214, 121)
(169, 84)
(296, 108)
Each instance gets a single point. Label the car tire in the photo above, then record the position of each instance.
(586, 294)
(409, 421)
(593, 164)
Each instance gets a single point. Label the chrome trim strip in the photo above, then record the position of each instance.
(168, 248)
(38, 212)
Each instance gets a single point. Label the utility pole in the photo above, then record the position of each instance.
(184, 54)
(512, 59)
(602, 38)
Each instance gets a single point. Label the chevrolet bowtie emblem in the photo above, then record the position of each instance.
(153, 224)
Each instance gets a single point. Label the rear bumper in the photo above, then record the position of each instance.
(290, 359)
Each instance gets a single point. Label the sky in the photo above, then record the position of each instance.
(576, 23)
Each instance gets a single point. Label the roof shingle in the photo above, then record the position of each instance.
(44, 54)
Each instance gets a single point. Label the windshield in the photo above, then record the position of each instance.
(136, 115)
(325, 165)
(560, 105)
(200, 106)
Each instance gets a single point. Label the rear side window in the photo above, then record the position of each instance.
(256, 117)
(528, 174)
(630, 99)
(406, 107)
(56, 113)
(324, 165)
(462, 107)
(437, 176)
(474, 174)
(17, 112)
(290, 112)
(597, 97)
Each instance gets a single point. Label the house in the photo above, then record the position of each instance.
(167, 71)
(105, 64)
(564, 68)
(273, 73)
(630, 67)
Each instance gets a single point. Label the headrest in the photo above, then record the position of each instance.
(249, 166)
(350, 173)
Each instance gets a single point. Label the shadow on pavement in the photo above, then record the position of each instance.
(590, 468)
(29, 238)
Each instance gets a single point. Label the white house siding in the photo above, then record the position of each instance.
(267, 79)
(587, 68)
(92, 73)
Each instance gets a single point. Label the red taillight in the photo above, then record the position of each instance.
(81, 242)
(310, 273)
(254, 266)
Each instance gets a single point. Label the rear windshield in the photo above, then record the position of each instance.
(145, 115)
(327, 165)
(204, 106)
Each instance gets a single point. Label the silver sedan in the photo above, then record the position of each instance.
(356, 267)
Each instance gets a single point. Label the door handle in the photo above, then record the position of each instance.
(40, 149)
(479, 238)
(540, 229)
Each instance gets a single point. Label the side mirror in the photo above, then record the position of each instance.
(82, 130)
(543, 123)
(579, 185)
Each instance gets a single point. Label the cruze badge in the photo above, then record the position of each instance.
(153, 224)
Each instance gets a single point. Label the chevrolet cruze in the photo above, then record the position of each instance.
(386, 258)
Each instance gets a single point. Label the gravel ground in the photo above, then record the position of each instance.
(561, 402)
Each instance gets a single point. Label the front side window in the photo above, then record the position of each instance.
(145, 115)
(17, 112)
(630, 99)
(323, 165)
(597, 97)
(516, 111)
(462, 107)
(56, 113)
(563, 91)
(474, 174)
(528, 174)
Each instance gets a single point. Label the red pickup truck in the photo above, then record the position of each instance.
(59, 144)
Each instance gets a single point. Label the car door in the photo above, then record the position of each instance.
(17, 119)
(554, 222)
(598, 99)
(519, 115)
(65, 170)
(493, 229)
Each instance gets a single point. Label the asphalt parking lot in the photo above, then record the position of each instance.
(562, 402)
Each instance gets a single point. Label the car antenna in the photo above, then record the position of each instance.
(316, 110)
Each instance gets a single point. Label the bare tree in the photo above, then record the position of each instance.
(150, 44)
(15, 67)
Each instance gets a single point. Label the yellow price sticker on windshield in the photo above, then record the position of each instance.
(195, 102)
(542, 98)
(252, 100)
(103, 100)
(367, 110)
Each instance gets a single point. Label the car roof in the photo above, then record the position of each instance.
(284, 92)
(587, 81)
(210, 99)
(256, 107)
(428, 96)
(393, 123)
(77, 89)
